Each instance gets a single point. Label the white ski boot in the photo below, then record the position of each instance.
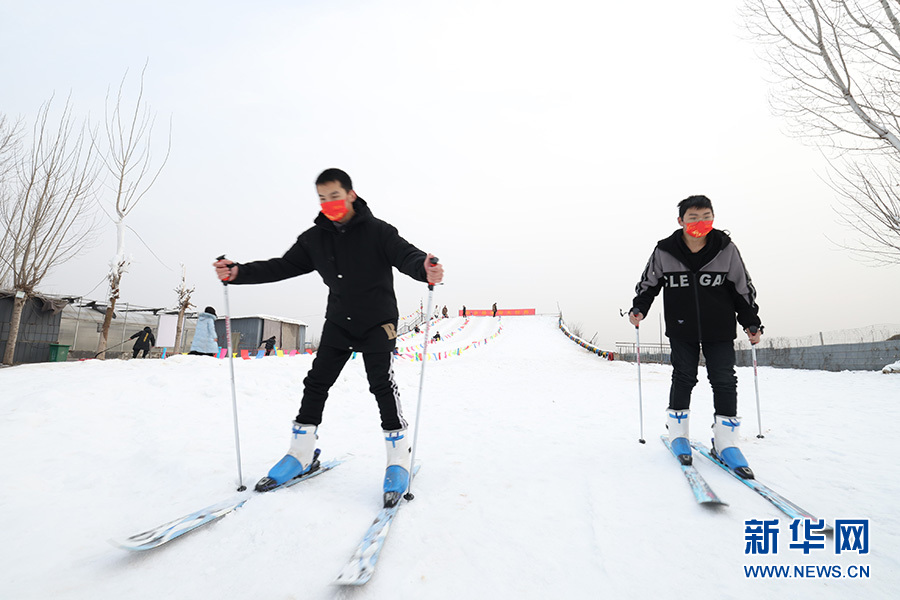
(726, 431)
(396, 476)
(300, 458)
(679, 435)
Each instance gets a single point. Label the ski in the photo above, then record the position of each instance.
(702, 492)
(777, 500)
(156, 537)
(361, 566)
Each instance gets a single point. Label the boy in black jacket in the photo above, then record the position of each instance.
(706, 285)
(354, 253)
(145, 341)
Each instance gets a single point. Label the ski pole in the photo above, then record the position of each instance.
(637, 333)
(237, 437)
(111, 347)
(412, 461)
(753, 329)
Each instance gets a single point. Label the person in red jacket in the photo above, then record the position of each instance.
(355, 254)
(707, 289)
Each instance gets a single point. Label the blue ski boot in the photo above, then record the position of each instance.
(299, 460)
(726, 431)
(396, 476)
(679, 436)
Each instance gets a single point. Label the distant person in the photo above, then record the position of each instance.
(355, 254)
(464, 311)
(445, 313)
(494, 308)
(270, 344)
(206, 341)
(145, 341)
(416, 329)
(436, 337)
(706, 284)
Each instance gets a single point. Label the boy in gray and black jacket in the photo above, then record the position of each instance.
(707, 290)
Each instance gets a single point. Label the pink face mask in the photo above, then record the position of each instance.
(335, 210)
(698, 229)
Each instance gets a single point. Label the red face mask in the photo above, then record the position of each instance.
(698, 229)
(335, 210)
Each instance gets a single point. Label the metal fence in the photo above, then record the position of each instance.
(650, 353)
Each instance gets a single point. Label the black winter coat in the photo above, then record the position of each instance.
(703, 291)
(355, 261)
(145, 340)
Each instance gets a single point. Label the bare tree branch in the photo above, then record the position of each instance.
(838, 69)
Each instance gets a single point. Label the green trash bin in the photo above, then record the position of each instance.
(59, 352)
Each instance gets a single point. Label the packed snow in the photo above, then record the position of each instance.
(533, 483)
(892, 368)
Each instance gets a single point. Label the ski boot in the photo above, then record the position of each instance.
(679, 437)
(396, 476)
(725, 431)
(300, 459)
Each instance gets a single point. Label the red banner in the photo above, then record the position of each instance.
(506, 312)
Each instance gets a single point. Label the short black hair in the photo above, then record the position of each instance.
(211, 310)
(694, 202)
(329, 175)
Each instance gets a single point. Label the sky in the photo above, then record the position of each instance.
(538, 150)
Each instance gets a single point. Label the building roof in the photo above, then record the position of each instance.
(269, 318)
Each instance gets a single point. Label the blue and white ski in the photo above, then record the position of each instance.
(361, 566)
(153, 538)
(702, 492)
(777, 500)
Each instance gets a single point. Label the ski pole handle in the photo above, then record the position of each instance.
(752, 331)
(225, 281)
(630, 313)
(433, 260)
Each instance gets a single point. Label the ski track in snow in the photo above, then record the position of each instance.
(533, 483)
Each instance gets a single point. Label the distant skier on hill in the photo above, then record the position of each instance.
(205, 342)
(145, 341)
(354, 253)
(706, 285)
(270, 344)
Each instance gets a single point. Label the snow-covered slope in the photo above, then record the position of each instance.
(533, 484)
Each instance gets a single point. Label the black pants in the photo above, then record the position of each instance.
(719, 369)
(325, 369)
(136, 350)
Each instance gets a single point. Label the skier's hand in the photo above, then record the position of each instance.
(226, 270)
(435, 273)
(754, 337)
(635, 318)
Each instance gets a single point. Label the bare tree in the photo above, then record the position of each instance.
(184, 303)
(9, 142)
(128, 160)
(838, 69)
(47, 215)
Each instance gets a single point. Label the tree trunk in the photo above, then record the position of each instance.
(104, 332)
(15, 320)
(178, 330)
(117, 269)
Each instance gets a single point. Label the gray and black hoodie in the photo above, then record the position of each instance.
(704, 291)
